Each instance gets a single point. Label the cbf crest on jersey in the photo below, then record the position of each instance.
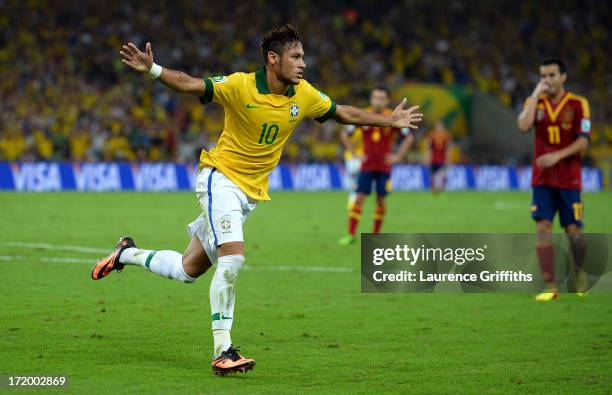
(294, 111)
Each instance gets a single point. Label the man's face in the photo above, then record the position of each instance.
(289, 67)
(553, 77)
(379, 99)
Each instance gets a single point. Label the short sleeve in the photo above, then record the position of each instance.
(320, 106)
(222, 89)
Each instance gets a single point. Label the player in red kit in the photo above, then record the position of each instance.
(439, 142)
(562, 131)
(378, 143)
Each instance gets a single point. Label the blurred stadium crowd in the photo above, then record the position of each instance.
(64, 93)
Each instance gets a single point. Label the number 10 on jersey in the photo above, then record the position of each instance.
(268, 133)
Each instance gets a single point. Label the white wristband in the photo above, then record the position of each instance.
(155, 71)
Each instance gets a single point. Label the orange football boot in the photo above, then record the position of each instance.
(231, 362)
(111, 262)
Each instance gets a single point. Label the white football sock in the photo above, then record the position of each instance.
(222, 341)
(222, 297)
(134, 256)
(166, 263)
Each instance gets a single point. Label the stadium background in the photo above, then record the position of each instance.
(66, 96)
(73, 117)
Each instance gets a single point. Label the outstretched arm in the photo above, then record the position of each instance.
(401, 117)
(175, 80)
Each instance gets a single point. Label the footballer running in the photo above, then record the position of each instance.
(262, 110)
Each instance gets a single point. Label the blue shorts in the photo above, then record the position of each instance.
(366, 178)
(548, 200)
(436, 168)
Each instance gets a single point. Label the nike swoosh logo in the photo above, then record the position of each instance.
(251, 106)
(226, 318)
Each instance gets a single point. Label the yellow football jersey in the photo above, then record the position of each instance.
(257, 126)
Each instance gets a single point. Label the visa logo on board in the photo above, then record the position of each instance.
(97, 177)
(154, 177)
(407, 177)
(36, 176)
(456, 178)
(311, 177)
(492, 178)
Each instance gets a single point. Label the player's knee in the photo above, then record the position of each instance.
(194, 267)
(185, 276)
(575, 236)
(231, 248)
(573, 230)
(544, 232)
(233, 262)
(360, 198)
(228, 267)
(544, 227)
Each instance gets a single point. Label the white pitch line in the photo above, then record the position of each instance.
(47, 259)
(318, 269)
(11, 257)
(60, 247)
(91, 261)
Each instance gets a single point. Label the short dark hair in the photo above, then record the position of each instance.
(558, 62)
(279, 39)
(382, 88)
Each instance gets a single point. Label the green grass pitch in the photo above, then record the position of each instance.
(310, 331)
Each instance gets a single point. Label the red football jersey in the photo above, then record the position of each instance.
(377, 142)
(557, 125)
(438, 144)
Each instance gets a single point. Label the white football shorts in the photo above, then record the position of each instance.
(225, 209)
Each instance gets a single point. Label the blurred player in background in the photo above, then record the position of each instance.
(562, 131)
(377, 160)
(261, 111)
(353, 155)
(439, 141)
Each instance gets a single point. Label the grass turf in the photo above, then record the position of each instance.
(309, 331)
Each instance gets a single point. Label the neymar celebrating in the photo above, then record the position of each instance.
(262, 110)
